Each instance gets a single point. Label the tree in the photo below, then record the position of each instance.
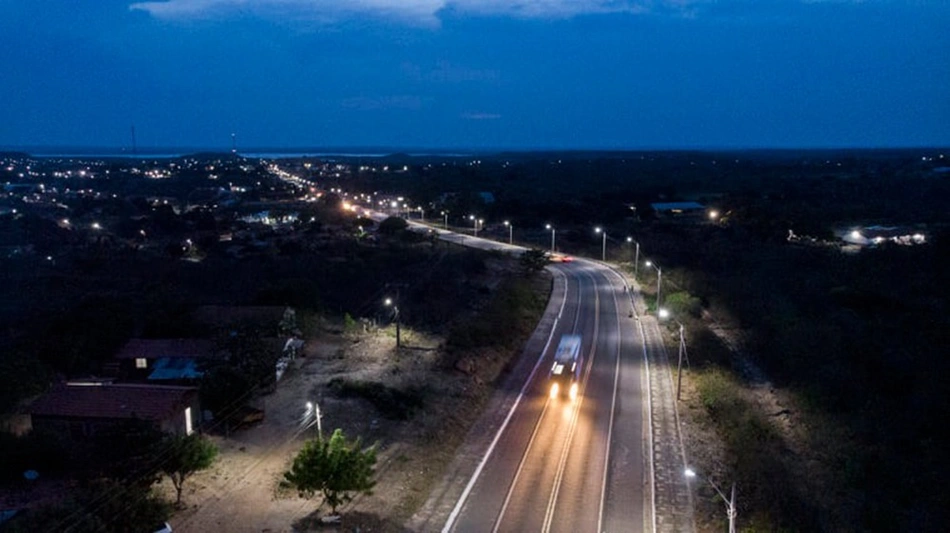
(100, 506)
(534, 261)
(393, 226)
(333, 467)
(185, 456)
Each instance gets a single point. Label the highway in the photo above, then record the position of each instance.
(562, 465)
(609, 461)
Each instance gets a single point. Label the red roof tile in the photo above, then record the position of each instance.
(148, 402)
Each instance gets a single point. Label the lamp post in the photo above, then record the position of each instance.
(603, 247)
(663, 313)
(395, 305)
(659, 278)
(475, 222)
(445, 223)
(510, 229)
(730, 502)
(553, 231)
(313, 408)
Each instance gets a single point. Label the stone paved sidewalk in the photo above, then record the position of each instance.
(672, 496)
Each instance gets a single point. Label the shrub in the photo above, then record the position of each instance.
(392, 403)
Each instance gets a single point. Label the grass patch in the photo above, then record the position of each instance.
(393, 403)
(756, 458)
(511, 313)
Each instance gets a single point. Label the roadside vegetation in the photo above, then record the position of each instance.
(818, 375)
(829, 406)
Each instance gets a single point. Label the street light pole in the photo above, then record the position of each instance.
(550, 227)
(636, 262)
(395, 305)
(445, 224)
(603, 248)
(510, 229)
(679, 365)
(659, 278)
(313, 408)
(730, 502)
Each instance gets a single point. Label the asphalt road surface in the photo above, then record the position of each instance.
(563, 465)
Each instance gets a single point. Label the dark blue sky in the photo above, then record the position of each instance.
(476, 73)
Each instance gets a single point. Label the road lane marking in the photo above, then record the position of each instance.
(572, 427)
(610, 425)
(524, 458)
(453, 516)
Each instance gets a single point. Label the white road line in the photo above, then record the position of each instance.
(649, 408)
(481, 465)
(572, 427)
(524, 458)
(610, 425)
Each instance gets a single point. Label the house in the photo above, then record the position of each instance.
(167, 359)
(81, 409)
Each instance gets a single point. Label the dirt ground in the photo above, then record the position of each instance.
(242, 493)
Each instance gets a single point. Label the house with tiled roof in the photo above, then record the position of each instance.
(82, 409)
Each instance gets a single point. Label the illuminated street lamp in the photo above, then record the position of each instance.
(389, 302)
(475, 222)
(636, 259)
(510, 229)
(663, 314)
(553, 232)
(445, 224)
(659, 278)
(730, 502)
(313, 409)
(603, 251)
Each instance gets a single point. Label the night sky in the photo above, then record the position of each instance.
(475, 73)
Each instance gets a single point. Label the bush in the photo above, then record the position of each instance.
(392, 403)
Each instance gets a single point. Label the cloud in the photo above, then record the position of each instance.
(430, 12)
(362, 103)
(481, 116)
(425, 12)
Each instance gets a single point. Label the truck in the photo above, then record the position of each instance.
(565, 373)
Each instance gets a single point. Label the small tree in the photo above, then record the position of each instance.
(185, 456)
(534, 261)
(333, 467)
(393, 226)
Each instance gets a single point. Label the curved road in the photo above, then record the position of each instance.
(609, 461)
(562, 465)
